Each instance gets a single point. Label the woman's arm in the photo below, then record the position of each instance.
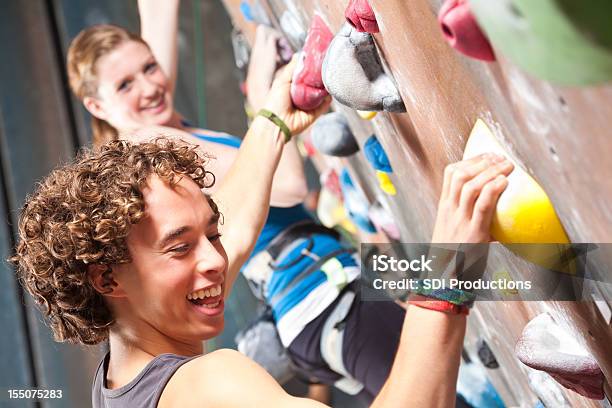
(289, 185)
(159, 28)
(244, 195)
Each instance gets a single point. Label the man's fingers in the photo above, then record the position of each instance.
(484, 208)
(472, 188)
(450, 169)
(463, 171)
(324, 107)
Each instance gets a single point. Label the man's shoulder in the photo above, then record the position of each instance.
(206, 377)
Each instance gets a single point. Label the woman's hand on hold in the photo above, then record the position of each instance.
(279, 102)
(470, 192)
(262, 65)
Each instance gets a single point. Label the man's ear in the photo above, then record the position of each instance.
(102, 279)
(94, 106)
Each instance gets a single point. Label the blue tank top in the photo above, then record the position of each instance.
(279, 218)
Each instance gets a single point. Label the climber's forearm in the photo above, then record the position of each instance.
(426, 366)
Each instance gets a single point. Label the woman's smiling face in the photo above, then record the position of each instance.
(132, 90)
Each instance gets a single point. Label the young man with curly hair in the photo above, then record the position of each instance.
(124, 246)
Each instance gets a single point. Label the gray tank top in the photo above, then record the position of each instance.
(143, 391)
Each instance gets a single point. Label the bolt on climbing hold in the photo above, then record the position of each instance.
(545, 346)
(382, 218)
(564, 42)
(353, 74)
(254, 13)
(485, 354)
(367, 115)
(462, 32)
(361, 16)
(332, 135)
(307, 89)
(524, 213)
(355, 203)
(375, 155)
(385, 183)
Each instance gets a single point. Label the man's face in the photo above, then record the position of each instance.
(175, 282)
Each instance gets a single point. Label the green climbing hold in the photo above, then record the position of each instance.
(562, 41)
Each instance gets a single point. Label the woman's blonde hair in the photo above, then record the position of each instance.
(84, 52)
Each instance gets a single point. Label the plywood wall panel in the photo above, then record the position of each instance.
(560, 135)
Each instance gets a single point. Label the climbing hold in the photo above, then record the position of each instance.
(376, 155)
(361, 16)
(255, 13)
(245, 9)
(545, 346)
(562, 41)
(355, 203)
(307, 89)
(332, 135)
(353, 73)
(330, 180)
(461, 30)
(306, 147)
(383, 220)
(367, 115)
(291, 25)
(331, 212)
(474, 386)
(385, 183)
(524, 213)
(485, 354)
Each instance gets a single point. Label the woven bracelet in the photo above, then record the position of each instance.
(454, 296)
(277, 121)
(438, 305)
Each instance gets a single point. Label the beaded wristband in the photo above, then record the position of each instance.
(277, 121)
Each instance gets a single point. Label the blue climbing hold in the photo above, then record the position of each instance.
(245, 9)
(355, 203)
(376, 155)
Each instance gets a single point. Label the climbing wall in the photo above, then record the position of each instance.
(560, 135)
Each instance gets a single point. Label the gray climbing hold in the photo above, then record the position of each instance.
(354, 76)
(332, 135)
(486, 355)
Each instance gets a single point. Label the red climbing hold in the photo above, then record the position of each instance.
(361, 16)
(307, 89)
(462, 32)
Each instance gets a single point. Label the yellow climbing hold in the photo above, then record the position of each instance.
(367, 114)
(385, 183)
(524, 213)
(331, 212)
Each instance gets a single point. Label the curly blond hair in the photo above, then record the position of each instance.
(80, 215)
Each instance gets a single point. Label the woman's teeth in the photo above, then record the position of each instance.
(155, 105)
